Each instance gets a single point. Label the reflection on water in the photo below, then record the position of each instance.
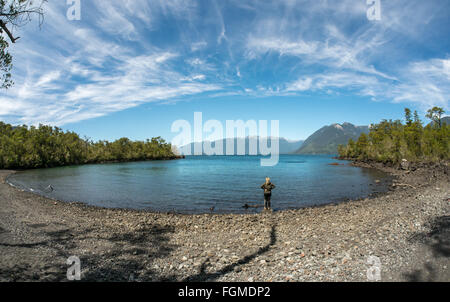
(195, 184)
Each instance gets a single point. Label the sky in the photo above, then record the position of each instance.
(130, 68)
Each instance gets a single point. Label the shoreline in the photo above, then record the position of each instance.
(322, 243)
(385, 184)
(175, 157)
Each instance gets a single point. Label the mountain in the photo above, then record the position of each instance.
(444, 120)
(289, 146)
(285, 146)
(327, 139)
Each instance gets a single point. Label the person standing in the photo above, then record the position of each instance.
(267, 187)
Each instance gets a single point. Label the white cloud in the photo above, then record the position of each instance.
(114, 77)
(300, 85)
(113, 21)
(426, 83)
(198, 45)
(48, 77)
(258, 46)
(70, 71)
(338, 52)
(324, 82)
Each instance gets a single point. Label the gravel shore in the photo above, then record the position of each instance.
(407, 228)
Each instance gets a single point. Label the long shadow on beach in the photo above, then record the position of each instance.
(438, 240)
(131, 250)
(125, 255)
(204, 276)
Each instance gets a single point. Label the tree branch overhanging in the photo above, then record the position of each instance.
(14, 14)
(6, 30)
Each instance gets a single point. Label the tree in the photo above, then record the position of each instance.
(45, 146)
(391, 141)
(417, 118)
(435, 115)
(14, 14)
(408, 118)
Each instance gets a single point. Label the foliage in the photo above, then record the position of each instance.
(5, 64)
(391, 141)
(13, 14)
(44, 146)
(435, 115)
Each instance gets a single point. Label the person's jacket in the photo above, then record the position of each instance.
(268, 187)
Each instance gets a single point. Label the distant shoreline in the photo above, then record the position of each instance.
(382, 188)
(176, 157)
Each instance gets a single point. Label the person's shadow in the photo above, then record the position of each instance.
(204, 276)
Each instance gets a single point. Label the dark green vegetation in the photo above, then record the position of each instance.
(327, 139)
(391, 141)
(44, 146)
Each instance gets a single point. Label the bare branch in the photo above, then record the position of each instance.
(4, 28)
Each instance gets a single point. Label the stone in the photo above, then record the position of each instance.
(404, 164)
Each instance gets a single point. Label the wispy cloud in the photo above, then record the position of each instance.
(426, 83)
(126, 53)
(96, 75)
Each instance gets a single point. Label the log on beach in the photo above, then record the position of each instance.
(246, 206)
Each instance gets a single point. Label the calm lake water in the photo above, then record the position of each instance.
(197, 183)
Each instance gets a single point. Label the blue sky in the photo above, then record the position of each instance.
(131, 68)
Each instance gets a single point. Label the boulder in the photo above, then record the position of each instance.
(404, 165)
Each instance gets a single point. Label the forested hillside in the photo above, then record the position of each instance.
(44, 146)
(391, 141)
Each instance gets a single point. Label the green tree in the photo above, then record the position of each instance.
(408, 118)
(435, 114)
(392, 141)
(44, 146)
(416, 118)
(13, 14)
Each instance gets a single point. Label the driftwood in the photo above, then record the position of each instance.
(246, 206)
(405, 185)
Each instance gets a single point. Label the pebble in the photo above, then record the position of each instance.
(313, 244)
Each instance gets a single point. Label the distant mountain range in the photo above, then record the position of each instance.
(327, 139)
(324, 141)
(285, 146)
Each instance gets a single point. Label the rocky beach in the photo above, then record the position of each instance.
(407, 229)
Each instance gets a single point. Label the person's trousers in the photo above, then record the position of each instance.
(267, 200)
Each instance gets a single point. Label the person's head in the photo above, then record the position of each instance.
(267, 180)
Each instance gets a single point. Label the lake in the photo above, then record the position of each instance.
(197, 183)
